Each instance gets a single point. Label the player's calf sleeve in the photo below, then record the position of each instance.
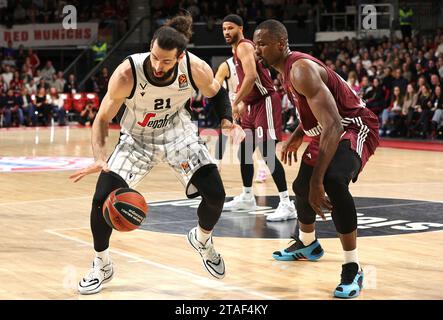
(101, 231)
(210, 186)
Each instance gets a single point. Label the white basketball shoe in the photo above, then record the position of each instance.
(285, 211)
(212, 261)
(98, 275)
(241, 202)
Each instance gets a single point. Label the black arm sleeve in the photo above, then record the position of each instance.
(222, 104)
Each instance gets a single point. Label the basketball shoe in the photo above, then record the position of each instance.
(241, 202)
(351, 281)
(96, 277)
(212, 260)
(298, 251)
(285, 211)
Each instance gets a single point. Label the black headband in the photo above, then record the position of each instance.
(234, 19)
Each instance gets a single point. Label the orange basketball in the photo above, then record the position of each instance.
(125, 209)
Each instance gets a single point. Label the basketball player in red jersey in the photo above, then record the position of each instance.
(344, 135)
(258, 107)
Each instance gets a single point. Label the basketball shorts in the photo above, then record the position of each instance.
(179, 146)
(264, 118)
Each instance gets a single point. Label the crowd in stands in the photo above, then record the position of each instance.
(34, 93)
(249, 10)
(400, 80)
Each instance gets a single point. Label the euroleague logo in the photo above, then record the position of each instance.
(42, 164)
(375, 217)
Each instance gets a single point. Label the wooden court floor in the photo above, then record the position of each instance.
(45, 242)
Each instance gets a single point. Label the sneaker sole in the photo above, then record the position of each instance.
(291, 257)
(281, 219)
(216, 275)
(96, 290)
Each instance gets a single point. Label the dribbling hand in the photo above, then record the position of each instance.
(97, 166)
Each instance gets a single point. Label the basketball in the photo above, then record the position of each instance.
(125, 209)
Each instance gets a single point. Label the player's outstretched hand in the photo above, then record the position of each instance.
(233, 130)
(97, 166)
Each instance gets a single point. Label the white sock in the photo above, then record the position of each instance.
(306, 237)
(202, 236)
(352, 256)
(284, 196)
(104, 256)
(247, 192)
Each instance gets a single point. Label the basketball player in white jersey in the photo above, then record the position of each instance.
(226, 75)
(156, 88)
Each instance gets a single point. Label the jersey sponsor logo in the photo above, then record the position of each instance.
(143, 86)
(154, 124)
(182, 81)
(42, 164)
(375, 217)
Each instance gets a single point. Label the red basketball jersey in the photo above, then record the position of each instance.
(263, 83)
(360, 124)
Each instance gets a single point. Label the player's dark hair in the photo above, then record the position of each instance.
(276, 28)
(175, 34)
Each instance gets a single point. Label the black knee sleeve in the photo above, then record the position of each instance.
(208, 182)
(344, 213)
(101, 231)
(300, 186)
(344, 167)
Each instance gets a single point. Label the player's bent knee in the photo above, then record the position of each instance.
(106, 183)
(345, 223)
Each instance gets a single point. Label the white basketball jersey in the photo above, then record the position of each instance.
(151, 109)
(231, 82)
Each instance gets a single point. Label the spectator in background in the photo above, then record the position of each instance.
(48, 71)
(435, 82)
(410, 104)
(16, 83)
(437, 118)
(19, 13)
(365, 88)
(3, 85)
(376, 97)
(42, 107)
(100, 49)
(353, 81)
(59, 82)
(407, 74)
(10, 51)
(88, 114)
(7, 75)
(425, 113)
(391, 115)
(71, 85)
(55, 102)
(12, 109)
(28, 108)
(31, 87)
(42, 84)
(21, 57)
(34, 60)
(399, 81)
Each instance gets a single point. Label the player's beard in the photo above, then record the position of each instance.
(164, 77)
(233, 41)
